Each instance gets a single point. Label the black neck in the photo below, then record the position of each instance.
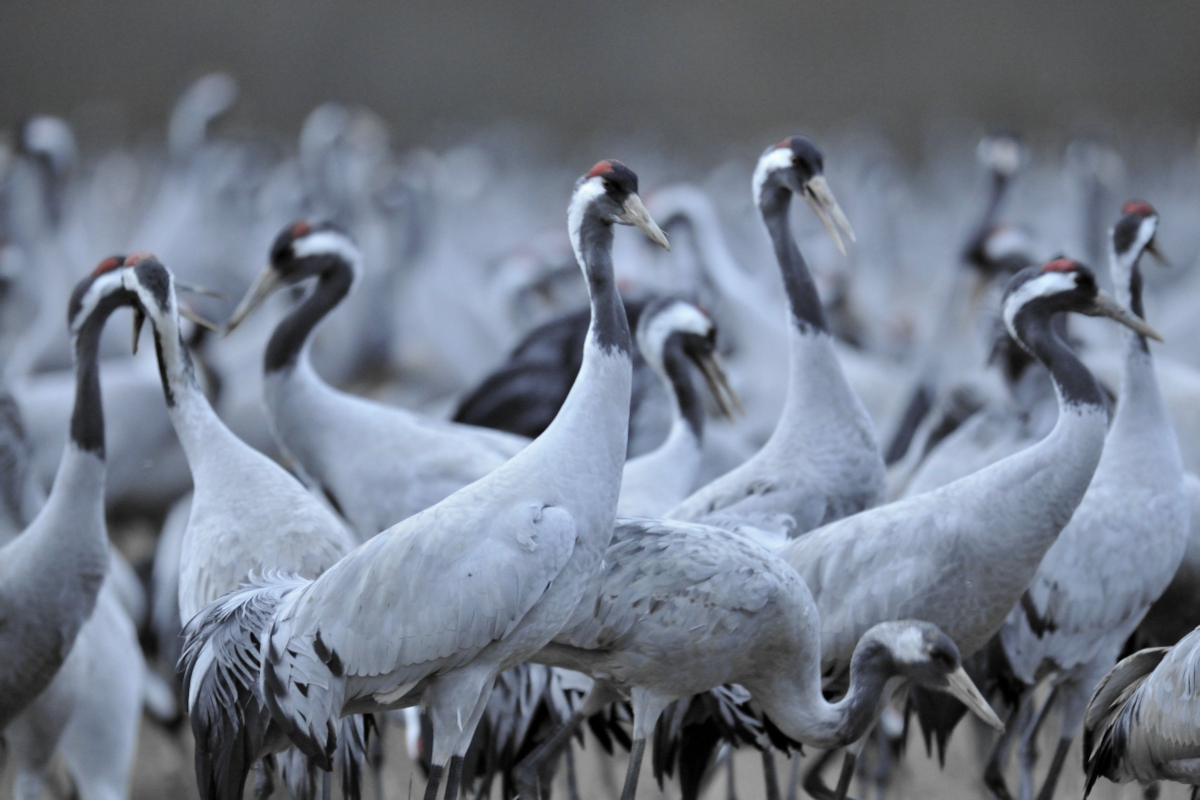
(678, 368)
(293, 331)
(187, 369)
(803, 299)
(87, 418)
(871, 666)
(974, 251)
(1135, 298)
(610, 324)
(1075, 384)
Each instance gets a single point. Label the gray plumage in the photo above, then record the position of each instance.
(822, 462)
(1141, 723)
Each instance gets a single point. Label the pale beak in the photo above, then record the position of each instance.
(825, 206)
(200, 290)
(207, 324)
(266, 282)
(1152, 249)
(634, 213)
(959, 684)
(1105, 306)
(718, 384)
(139, 319)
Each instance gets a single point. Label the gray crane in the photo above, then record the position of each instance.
(433, 609)
(248, 516)
(823, 461)
(65, 548)
(961, 556)
(683, 608)
(1120, 550)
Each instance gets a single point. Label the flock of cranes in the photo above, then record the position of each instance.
(883, 522)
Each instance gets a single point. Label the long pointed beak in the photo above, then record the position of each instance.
(1105, 306)
(718, 384)
(634, 213)
(139, 319)
(1153, 249)
(203, 322)
(960, 685)
(200, 290)
(825, 206)
(266, 282)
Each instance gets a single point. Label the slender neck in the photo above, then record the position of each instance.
(803, 299)
(610, 324)
(291, 336)
(687, 408)
(1127, 283)
(974, 251)
(798, 707)
(196, 424)
(1073, 382)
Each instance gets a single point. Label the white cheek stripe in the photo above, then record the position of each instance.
(103, 286)
(680, 316)
(1047, 283)
(585, 194)
(327, 243)
(773, 160)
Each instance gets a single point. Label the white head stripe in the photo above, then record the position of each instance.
(104, 285)
(678, 317)
(1046, 284)
(584, 195)
(327, 243)
(773, 160)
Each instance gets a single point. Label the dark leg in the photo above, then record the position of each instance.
(264, 780)
(375, 758)
(769, 775)
(635, 768)
(812, 779)
(1029, 752)
(1060, 757)
(794, 780)
(1195, 793)
(326, 785)
(883, 763)
(843, 785)
(1151, 791)
(730, 783)
(993, 774)
(572, 781)
(435, 777)
(526, 773)
(456, 764)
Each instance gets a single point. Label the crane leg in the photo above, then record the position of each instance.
(455, 777)
(435, 778)
(635, 768)
(572, 780)
(730, 782)
(812, 779)
(993, 773)
(1028, 752)
(770, 776)
(1056, 765)
(794, 779)
(526, 774)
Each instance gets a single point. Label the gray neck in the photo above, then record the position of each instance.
(681, 386)
(798, 707)
(293, 332)
(610, 325)
(87, 418)
(1072, 380)
(803, 299)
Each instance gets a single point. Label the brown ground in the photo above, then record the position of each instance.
(163, 772)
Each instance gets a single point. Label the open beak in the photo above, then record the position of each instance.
(207, 324)
(1105, 306)
(139, 319)
(1152, 249)
(959, 684)
(825, 206)
(634, 213)
(200, 290)
(266, 283)
(718, 383)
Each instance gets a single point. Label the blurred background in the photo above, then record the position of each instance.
(700, 72)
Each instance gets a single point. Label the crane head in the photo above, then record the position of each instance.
(796, 165)
(1062, 285)
(674, 322)
(302, 250)
(1135, 232)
